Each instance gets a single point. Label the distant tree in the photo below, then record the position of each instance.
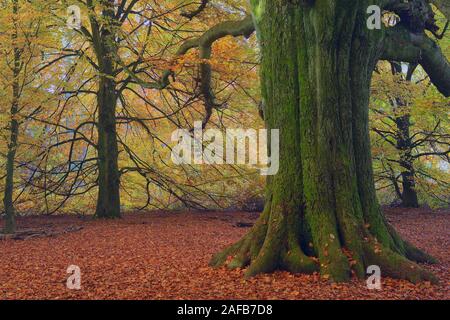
(126, 56)
(22, 29)
(409, 122)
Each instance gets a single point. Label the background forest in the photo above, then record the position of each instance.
(93, 94)
(50, 75)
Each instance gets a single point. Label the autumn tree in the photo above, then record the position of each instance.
(127, 76)
(101, 34)
(321, 209)
(10, 225)
(410, 142)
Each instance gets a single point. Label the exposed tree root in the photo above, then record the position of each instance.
(275, 244)
(270, 245)
(27, 234)
(417, 255)
(395, 265)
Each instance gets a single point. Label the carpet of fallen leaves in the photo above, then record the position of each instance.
(165, 256)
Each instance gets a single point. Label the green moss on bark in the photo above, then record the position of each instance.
(315, 76)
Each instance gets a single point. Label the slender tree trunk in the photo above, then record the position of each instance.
(108, 201)
(10, 223)
(405, 147)
(321, 209)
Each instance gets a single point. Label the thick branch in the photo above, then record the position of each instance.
(204, 43)
(405, 46)
(244, 27)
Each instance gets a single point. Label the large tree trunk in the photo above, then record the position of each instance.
(10, 223)
(321, 209)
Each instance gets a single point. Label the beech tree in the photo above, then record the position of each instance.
(103, 30)
(321, 211)
(10, 224)
(410, 144)
(118, 66)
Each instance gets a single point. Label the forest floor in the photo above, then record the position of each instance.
(165, 256)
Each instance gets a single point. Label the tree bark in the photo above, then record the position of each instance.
(404, 145)
(321, 209)
(108, 201)
(8, 202)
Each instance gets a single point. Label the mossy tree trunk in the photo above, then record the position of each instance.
(321, 210)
